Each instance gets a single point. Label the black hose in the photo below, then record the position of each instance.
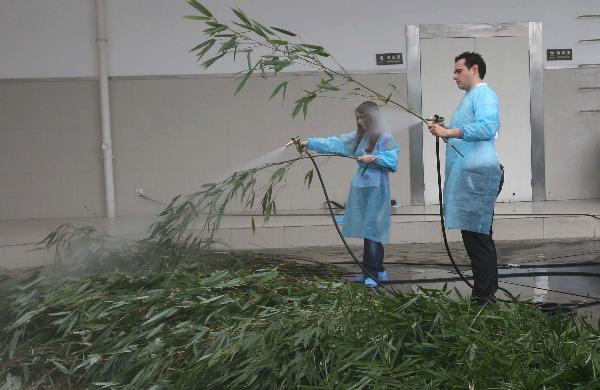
(337, 227)
(458, 271)
(443, 223)
(548, 306)
(586, 263)
(295, 214)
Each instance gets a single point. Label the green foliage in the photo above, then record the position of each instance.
(184, 234)
(181, 318)
(208, 205)
(309, 177)
(280, 87)
(264, 329)
(275, 49)
(202, 9)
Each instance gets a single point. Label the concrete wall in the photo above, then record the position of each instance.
(170, 136)
(173, 134)
(50, 164)
(147, 37)
(572, 139)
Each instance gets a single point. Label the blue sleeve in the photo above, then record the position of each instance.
(343, 144)
(387, 157)
(486, 119)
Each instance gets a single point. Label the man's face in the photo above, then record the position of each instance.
(464, 76)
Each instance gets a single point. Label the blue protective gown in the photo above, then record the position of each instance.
(368, 209)
(472, 181)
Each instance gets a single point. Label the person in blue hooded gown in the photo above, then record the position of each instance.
(368, 208)
(473, 182)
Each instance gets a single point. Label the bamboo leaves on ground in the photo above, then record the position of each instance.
(270, 330)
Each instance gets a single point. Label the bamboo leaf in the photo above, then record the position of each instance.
(297, 108)
(61, 367)
(310, 46)
(308, 178)
(215, 30)
(206, 64)
(279, 87)
(324, 84)
(205, 46)
(228, 45)
(155, 331)
(107, 385)
(196, 17)
(244, 26)
(242, 16)
(259, 31)
(283, 94)
(286, 32)
(306, 102)
(200, 7)
(263, 28)
(163, 314)
(278, 42)
(263, 74)
(246, 77)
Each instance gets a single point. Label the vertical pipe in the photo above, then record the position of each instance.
(109, 181)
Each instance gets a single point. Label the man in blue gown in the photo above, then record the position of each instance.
(473, 181)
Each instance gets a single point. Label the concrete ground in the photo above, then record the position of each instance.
(543, 271)
(546, 239)
(548, 221)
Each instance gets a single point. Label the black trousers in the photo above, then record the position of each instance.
(484, 260)
(372, 258)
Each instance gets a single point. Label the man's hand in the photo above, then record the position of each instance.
(367, 159)
(438, 130)
(304, 143)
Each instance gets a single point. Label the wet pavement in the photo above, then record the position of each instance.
(558, 271)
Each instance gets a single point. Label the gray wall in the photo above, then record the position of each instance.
(173, 134)
(49, 160)
(170, 135)
(572, 139)
(149, 37)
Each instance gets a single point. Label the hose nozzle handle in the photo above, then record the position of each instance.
(435, 119)
(293, 141)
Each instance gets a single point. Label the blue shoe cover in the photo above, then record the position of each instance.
(359, 278)
(382, 276)
(370, 282)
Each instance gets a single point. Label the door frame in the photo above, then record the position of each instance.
(532, 30)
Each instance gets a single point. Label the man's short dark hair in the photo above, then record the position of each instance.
(471, 58)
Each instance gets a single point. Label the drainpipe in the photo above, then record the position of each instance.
(109, 180)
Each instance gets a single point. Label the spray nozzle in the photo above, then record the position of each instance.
(293, 141)
(435, 119)
(296, 142)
